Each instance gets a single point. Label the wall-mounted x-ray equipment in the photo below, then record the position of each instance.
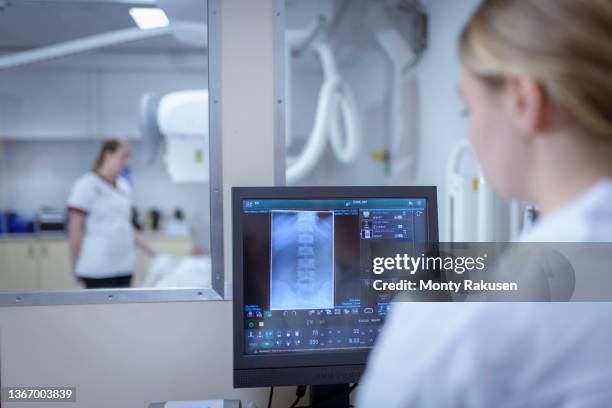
(179, 121)
(337, 117)
(398, 28)
(476, 213)
(470, 200)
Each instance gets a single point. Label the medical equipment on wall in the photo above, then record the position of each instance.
(403, 161)
(336, 117)
(476, 213)
(180, 119)
(403, 40)
(399, 28)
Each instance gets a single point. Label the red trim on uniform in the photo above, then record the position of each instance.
(106, 180)
(77, 210)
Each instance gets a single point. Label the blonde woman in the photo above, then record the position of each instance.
(537, 81)
(100, 229)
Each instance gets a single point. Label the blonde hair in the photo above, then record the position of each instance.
(564, 44)
(108, 146)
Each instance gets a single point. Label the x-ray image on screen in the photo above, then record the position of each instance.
(302, 264)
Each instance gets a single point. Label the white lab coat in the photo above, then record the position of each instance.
(502, 354)
(107, 249)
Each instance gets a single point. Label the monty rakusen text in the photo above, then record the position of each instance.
(414, 264)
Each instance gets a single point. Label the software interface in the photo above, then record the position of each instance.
(308, 269)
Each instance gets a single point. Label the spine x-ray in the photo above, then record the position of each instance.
(302, 262)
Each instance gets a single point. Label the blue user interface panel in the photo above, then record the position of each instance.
(308, 269)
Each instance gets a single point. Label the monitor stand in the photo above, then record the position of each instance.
(330, 396)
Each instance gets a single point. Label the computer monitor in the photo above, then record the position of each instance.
(304, 310)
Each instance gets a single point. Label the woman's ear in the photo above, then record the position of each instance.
(527, 102)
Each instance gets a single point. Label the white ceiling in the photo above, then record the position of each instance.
(35, 23)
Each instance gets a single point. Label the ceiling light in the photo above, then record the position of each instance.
(147, 18)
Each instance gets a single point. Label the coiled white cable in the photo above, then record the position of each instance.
(346, 151)
(336, 106)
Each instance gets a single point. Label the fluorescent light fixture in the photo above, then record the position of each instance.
(147, 18)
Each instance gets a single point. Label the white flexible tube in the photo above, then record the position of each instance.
(315, 146)
(335, 102)
(345, 152)
(343, 107)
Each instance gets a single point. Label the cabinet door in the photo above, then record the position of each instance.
(55, 268)
(20, 266)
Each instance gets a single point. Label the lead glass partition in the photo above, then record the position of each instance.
(138, 72)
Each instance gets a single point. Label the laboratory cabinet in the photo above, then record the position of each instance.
(28, 264)
(20, 265)
(35, 264)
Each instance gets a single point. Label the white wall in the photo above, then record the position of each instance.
(91, 96)
(124, 356)
(439, 72)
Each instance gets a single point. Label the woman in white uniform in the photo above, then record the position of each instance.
(537, 82)
(100, 229)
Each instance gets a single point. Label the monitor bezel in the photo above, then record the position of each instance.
(318, 358)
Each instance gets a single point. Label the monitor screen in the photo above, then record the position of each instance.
(307, 269)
